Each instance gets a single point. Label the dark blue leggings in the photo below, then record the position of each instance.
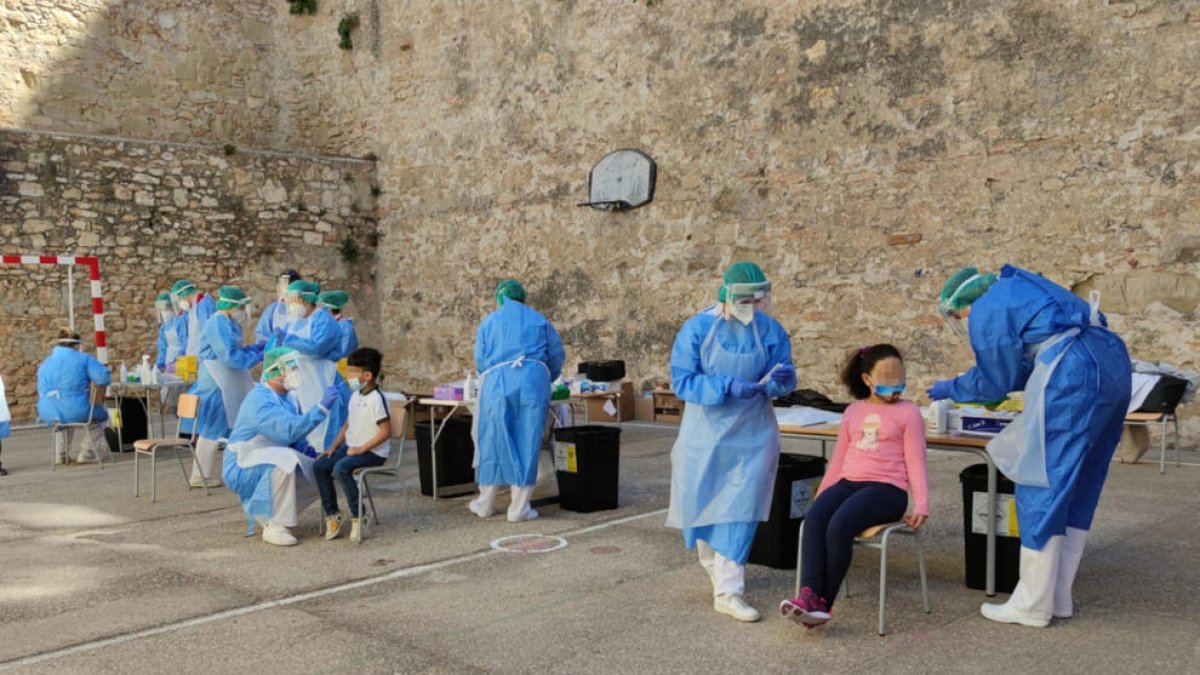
(832, 522)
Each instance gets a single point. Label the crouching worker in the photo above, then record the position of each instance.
(268, 462)
(361, 443)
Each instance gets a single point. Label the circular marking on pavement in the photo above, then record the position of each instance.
(529, 543)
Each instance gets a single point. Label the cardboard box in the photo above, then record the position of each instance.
(643, 408)
(668, 408)
(624, 403)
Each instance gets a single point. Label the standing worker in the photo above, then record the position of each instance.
(224, 380)
(64, 382)
(170, 337)
(1033, 335)
(275, 315)
(333, 302)
(728, 362)
(268, 463)
(5, 422)
(316, 337)
(518, 354)
(196, 308)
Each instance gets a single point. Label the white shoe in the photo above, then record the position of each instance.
(61, 459)
(279, 535)
(1032, 601)
(196, 482)
(356, 529)
(333, 527)
(735, 606)
(529, 514)
(85, 456)
(479, 510)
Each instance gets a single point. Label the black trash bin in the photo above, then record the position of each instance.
(133, 424)
(455, 453)
(1008, 543)
(587, 461)
(796, 483)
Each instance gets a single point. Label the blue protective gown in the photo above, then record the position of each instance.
(63, 386)
(179, 329)
(194, 320)
(275, 418)
(323, 342)
(724, 461)
(349, 336)
(221, 341)
(1085, 399)
(274, 316)
(514, 398)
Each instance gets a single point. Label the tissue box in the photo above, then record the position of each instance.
(979, 421)
(451, 391)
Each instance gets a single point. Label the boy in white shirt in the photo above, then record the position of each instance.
(362, 442)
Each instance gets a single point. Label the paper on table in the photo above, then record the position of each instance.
(610, 408)
(804, 416)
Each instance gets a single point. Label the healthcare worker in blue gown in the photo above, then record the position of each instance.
(268, 462)
(195, 310)
(275, 315)
(171, 333)
(1031, 334)
(333, 302)
(315, 335)
(518, 354)
(64, 382)
(223, 381)
(728, 362)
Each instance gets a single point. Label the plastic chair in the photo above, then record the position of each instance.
(189, 404)
(398, 416)
(868, 539)
(96, 395)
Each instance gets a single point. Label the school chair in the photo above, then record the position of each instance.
(879, 537)
(189, 405)
(96, 394)
(398, 416)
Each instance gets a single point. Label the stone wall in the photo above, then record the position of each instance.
(815, 138)
(154, 213)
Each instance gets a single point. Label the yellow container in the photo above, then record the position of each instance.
(187, 367)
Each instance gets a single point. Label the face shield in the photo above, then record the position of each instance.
(297, 308)
(743, 300)
(164, 310)
(957, 324)
(288, 366)
(282, 286)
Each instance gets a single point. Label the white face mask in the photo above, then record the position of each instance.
(184, 304)
(743, 312)
(354, 383)
(240, 316)
(295, 311)
(291, 381)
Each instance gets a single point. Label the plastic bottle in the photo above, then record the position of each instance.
(144, 369)
(469, 387)
(124, 372)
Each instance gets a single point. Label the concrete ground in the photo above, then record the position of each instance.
(93, 579)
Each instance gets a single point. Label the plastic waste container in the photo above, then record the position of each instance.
(455, 453)
(587, 461)
(796, 482)
(1008, 542)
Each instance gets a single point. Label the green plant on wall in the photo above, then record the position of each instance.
(303, 6)
(347, 24)
(349, 250)
(229, 149)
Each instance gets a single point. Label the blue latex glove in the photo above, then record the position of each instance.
(783, 373)
(308, 450)
(739, 388)
(330, 397)
(939, 390)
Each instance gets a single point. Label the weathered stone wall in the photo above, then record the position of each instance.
(1060, 136)
(154, 213)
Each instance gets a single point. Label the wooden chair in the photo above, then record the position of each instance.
(878, 537)
(96, 396)
(189, 405)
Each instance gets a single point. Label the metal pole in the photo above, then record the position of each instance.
(71, 295)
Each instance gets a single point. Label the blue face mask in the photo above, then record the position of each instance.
(885, 391)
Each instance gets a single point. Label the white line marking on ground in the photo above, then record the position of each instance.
(289, 600)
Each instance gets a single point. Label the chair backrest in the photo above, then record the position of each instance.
(97, 394)
(398, 408)
(189, 405)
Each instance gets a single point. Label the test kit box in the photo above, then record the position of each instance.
(623, 405)
(667, 407)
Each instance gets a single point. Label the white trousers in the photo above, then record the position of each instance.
(208, 460)
(728, 577)
(94, 440)
(291, 493)
(518, 507)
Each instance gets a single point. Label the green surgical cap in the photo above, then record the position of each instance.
(333, 299)
(510, 288)
(275, 360)
(740, 273)
(964, 288)
(231, 297)
(165, 296)
(308, 290)
(182, 289)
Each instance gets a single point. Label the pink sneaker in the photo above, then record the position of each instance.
(808, 609)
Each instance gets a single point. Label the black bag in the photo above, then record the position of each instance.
(810, 398)
(1165, 395)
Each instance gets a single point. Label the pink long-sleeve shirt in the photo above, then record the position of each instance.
(885, 443)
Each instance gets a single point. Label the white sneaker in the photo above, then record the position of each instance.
(86, 456)
(279, 535)
(356, 529)
(333, 527)
(479, 510)
(529, 514)
(196, 482)
(735, 606)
